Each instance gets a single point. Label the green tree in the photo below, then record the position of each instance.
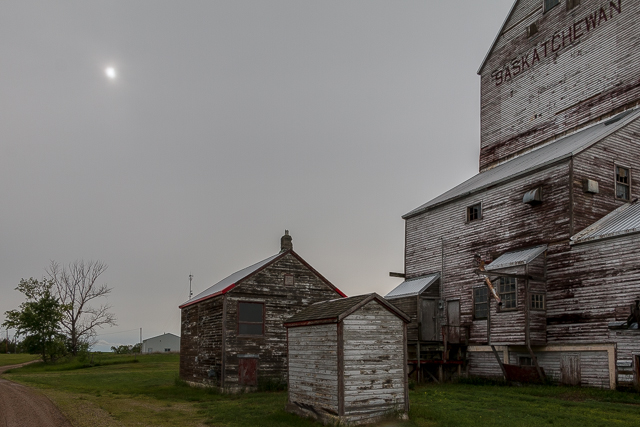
(38, 319)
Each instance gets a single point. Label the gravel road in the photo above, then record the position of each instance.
(22, 407)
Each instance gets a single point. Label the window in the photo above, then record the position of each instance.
(250, 318)
(532, 30)
(507, 291)
(167, 350)
(550, 4)
(288, 279)
(537, 302)
(480, 302)
(572, 3)
(524, 361)
(474, 212)
(623, 183)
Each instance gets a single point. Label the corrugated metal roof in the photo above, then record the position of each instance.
(336, 309)
(413, 287)
(622, 221)
(222, 285)
(515, 258)
(538, 158)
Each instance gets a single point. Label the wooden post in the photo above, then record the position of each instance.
(223, 347)
(504, 371)
(340, 369)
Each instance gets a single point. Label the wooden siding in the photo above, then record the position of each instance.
(507, 224)
(374, 380)
(313, 367)
(203, 344)
(598, 163)
(578, 83)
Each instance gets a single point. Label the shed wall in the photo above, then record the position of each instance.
(374, 378)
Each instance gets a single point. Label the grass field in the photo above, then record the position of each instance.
(15, 359)
(128, 391)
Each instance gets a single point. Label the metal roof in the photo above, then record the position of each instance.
(622, 221)
(413, 287)
(333, 311)
(225, 283)
(530, 161)
(516, 258)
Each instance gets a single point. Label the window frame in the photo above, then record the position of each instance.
(617, 166)
(485, 303)
(501, 293)
(288, 277)
(572, 4)
(238, 322)
(543, 300)
(468, 211)
(546, 8)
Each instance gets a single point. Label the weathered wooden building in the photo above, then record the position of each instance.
(347, 360)
(233, 334)
(560, 151)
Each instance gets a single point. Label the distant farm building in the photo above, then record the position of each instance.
(348, 360)
(165, 343)
(233, 334)
(538, 254)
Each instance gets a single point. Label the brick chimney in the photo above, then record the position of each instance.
(285, 242)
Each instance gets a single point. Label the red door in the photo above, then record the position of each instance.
(247, 371)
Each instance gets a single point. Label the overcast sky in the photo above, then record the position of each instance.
(227, 123)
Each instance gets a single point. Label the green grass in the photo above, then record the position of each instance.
(15, 359)
(145, 391)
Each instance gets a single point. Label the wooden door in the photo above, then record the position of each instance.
(429, 320)
(570, 369)
(453, 321)
(248, 371)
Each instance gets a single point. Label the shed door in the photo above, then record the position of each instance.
(428, 323)
(570, 369)
(453, 320)
(248, 371)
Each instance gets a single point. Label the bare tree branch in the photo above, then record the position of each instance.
(76, 285)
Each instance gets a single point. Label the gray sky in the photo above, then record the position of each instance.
(228, 122)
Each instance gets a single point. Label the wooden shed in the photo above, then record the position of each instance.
(232, 333)
(347, 360)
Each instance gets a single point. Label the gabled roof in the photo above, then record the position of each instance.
(228, 283)
(516, 258)
(160, 336)
(539, 158)
(335, 310)
(620, 222)
(495, 41)
(413, 287)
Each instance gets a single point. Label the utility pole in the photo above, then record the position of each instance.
(190, 278)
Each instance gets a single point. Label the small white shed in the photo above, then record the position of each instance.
(348, 360)
(165, 343)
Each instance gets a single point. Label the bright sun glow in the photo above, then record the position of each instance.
(110, 72)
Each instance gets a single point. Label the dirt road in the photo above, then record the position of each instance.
(22, 407)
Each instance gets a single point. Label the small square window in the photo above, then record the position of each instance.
(550, 4)
(480, 302)
(167, 350)
(623, 183)
(532, 30)
(572, 3)
(288, 279)
(507, 291)
(524, 361)
(537, 302)
(474, 212)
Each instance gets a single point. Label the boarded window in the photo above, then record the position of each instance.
(247, 370)
(623, 183)
(550, 4)
(537, 302)
(288, 279)
(250, 318)
(474, 212)
(524, 361)
(480, 302)
(507, 291)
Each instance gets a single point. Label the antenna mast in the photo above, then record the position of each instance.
(190, 292)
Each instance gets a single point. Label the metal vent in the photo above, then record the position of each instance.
(533, 197)
(590, 186)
